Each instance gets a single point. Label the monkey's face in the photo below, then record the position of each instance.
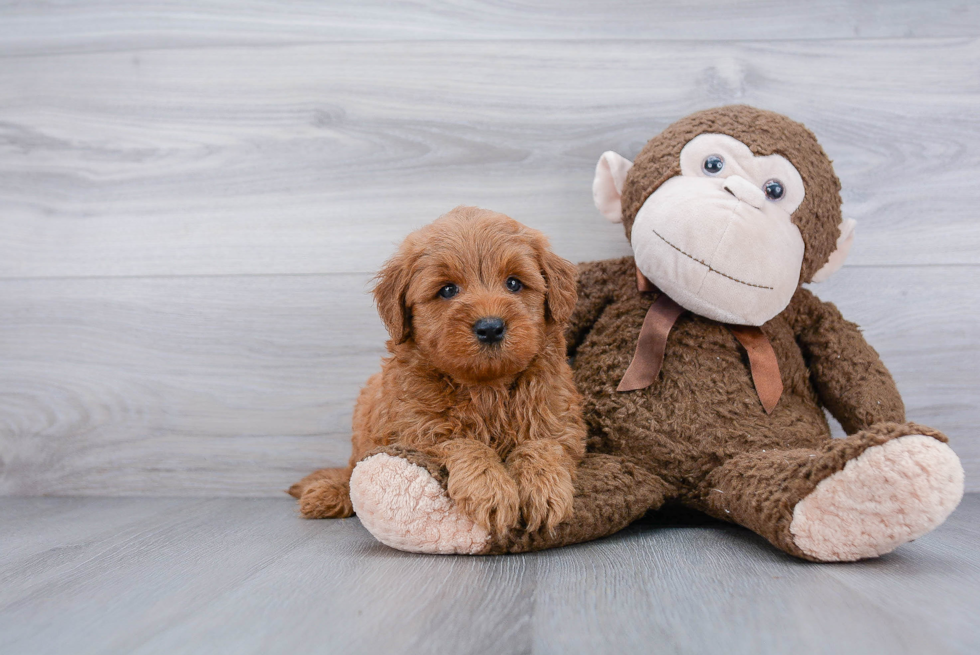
(729, 210)
(719, 238)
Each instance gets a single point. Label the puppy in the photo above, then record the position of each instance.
(477, 378)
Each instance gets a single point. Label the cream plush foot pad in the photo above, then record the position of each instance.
(405, 508)
(890, 494)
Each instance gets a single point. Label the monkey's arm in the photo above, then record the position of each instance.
(597, 282)
(849, 376)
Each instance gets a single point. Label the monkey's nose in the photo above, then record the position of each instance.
(489, 330)
(745, 191)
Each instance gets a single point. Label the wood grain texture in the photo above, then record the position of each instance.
(183, 386)
(113, 25)
(318, 158)
(248, 576)
(193, 196)
(240, 385)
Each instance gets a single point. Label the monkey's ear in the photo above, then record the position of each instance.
(607, 187)
(390, 289)
(560, 276)
(836, 260)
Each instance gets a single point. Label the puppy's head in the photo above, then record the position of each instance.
(476, 293)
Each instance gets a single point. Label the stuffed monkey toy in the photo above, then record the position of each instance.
(705, 367)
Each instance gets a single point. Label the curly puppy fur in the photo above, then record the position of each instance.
(503, 419)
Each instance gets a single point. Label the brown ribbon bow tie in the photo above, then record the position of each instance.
(652, 344)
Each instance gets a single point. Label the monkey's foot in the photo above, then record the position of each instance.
(885, 497)
(404, 507)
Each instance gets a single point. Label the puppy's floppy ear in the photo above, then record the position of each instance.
(390, 289)
(560, 276)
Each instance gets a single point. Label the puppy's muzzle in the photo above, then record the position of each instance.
(490, 330)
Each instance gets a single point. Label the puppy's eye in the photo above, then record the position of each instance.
(514, 285)
(448, 291)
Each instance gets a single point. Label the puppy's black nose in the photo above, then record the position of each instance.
(489, 330)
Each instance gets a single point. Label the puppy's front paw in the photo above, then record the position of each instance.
(544, 483)
(548, 501)
(486, 494)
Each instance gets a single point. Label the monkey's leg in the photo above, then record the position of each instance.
(400, 497)
(610, 493)
(858, 497)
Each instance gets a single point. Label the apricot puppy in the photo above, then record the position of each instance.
(477, 378)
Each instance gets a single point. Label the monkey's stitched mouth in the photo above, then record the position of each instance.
(708, 266)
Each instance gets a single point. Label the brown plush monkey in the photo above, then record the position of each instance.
(705, 366)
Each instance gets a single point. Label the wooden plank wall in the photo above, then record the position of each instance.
(194, 195)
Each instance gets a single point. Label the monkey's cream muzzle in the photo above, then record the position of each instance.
(719, 248)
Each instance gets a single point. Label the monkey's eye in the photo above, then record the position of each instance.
(774, 189)
(448, 291)
(514, 285)
(713, 164)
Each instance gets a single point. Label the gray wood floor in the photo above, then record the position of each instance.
(248, 576)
